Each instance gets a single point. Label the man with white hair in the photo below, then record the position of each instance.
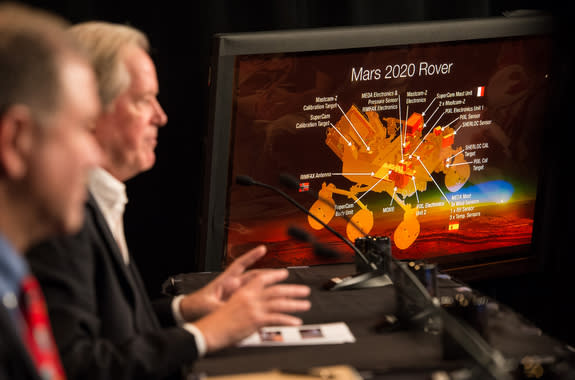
(104, 323)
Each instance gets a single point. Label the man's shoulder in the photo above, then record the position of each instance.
(62, 246)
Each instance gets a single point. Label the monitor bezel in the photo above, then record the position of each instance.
(227, 46)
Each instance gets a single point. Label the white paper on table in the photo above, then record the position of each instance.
(325, 333)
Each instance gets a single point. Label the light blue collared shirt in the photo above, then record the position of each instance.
(13, 269)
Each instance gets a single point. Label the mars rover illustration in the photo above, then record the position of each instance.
(393, 156)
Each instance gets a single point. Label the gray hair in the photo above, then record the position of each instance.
(104, 43)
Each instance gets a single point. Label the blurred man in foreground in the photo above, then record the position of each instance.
(48, 102)
(104, 324)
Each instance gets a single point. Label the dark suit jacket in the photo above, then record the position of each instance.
(104, 323)
(15, 363)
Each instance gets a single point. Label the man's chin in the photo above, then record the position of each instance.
(148, 163)
(151, 161)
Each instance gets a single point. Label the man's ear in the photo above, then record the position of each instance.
(16, 140)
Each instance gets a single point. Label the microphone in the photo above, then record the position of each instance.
(373, 277)
(411, 292)
(291, 183)
(245, 180)
(319, 249)
(376, 249)
(248, 181)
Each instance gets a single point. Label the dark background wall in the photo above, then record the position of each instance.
(162, 214)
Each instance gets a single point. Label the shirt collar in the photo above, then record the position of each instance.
(109, 192)
(13, 268)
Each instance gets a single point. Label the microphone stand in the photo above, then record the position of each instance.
(363, 278)
(374, 276)
(489, 360)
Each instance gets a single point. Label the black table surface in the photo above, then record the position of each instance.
(408, 351)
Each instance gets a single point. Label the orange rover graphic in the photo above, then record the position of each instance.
(393, 156)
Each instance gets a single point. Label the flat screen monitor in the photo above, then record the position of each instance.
(428, 133)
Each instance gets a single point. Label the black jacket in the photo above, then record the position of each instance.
(104, 323)
(15, 363)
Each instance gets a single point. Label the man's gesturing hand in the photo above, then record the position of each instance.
(260, 302)
(219, 290)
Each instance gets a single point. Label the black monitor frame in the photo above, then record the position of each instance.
(217, 178)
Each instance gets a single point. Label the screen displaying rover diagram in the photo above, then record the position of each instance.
(435, 146)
